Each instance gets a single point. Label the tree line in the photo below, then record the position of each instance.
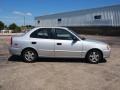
(15, 27)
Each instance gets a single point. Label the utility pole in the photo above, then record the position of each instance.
(24, 20)
(24, 23)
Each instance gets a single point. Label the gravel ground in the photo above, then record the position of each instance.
(60, 74)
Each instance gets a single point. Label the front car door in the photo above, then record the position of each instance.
(44, 42)
(65, 46)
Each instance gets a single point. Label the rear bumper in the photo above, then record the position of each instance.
(14, 51)
(106, 53)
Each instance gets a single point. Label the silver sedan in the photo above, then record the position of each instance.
(57, 42)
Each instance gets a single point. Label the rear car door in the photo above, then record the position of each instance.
(65, 46)
(43, 42)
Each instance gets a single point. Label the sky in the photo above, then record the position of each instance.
(13, 11)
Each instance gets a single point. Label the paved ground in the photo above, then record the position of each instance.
(60, 74)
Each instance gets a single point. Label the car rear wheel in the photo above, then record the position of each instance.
(94, 56)
(29, 55)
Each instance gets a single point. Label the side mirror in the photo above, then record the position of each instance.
(83, 38)
(74, 38)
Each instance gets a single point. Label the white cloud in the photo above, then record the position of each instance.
(21, 13)
(29, 14)
(7, 17)
(18, 13)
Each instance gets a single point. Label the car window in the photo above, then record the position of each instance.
(63, 34)
(44, 33)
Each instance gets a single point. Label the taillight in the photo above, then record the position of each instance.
(11, 41)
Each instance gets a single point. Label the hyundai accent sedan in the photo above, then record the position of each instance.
(57, 42)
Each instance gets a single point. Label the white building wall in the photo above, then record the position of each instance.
(109, 17)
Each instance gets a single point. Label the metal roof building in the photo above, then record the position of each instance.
(104, 16)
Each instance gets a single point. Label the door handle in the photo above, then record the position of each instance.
(59, 43)
(33, 42)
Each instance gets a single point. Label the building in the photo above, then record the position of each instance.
(103, 17)
(6, 31)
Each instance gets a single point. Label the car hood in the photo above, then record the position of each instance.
(94, 41)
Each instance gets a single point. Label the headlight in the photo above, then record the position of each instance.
(108, 47)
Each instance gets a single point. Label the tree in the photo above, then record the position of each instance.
(5, 27)
(14, 27)
(29, 26)
(1, 25)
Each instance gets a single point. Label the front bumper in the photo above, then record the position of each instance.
(14, 51)
(106, 53)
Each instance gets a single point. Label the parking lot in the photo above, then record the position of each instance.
(60, 74)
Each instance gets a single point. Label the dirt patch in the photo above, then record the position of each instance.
(62, 74)
(0, 86)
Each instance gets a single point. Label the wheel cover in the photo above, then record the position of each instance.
(29, 55)
(94, 56)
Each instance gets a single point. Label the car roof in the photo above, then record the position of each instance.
(51, 27)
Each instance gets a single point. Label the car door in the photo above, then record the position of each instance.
(44, 42)
(67, 44)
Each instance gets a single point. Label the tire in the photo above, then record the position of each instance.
(29, 55)
(94, 56)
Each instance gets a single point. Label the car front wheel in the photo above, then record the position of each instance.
(29, 55)
(94, 56)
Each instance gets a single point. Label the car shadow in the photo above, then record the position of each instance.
(66, 60)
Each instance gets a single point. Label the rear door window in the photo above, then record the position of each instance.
(44, 33)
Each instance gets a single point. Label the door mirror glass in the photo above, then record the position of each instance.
(83, 38)
(75, 38)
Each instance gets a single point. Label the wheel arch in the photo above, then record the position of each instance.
(92, 50)
(30, 48)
